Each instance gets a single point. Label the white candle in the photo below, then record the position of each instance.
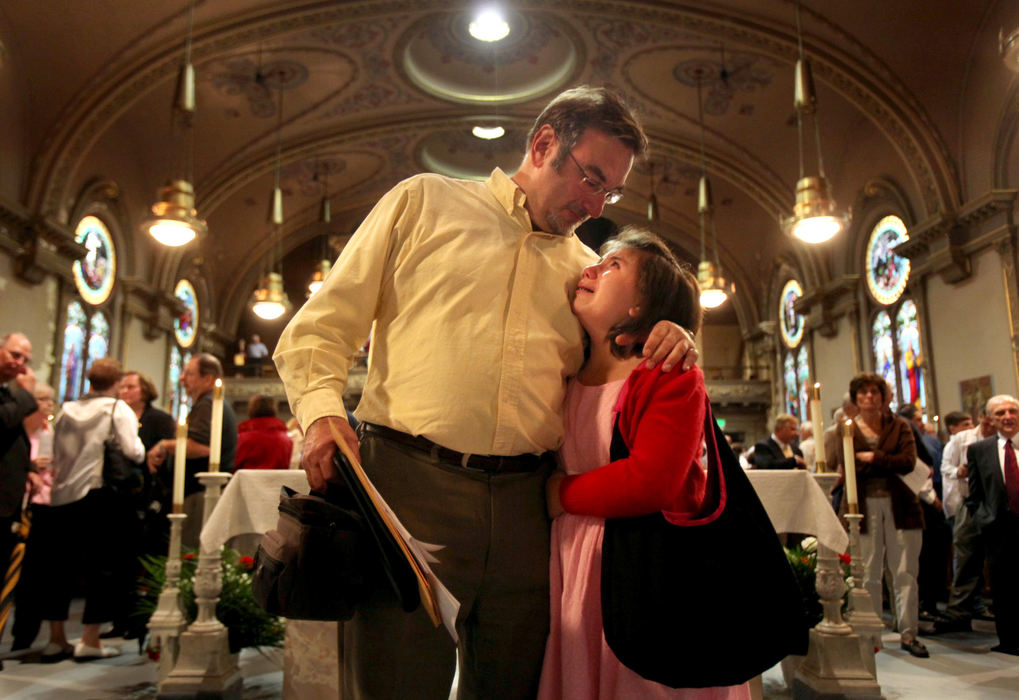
(818, 424)
(216, 429)
(850, 465)
(179, 455)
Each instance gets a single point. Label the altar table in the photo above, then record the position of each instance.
(796, 503)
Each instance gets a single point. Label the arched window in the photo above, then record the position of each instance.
(185, 332)
(179, 397)
(795, 366)
(86, 335)
(895, 327)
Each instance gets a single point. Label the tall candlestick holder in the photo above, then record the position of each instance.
(167, 622)
(862, 617)
(205, 667)
(835, 665)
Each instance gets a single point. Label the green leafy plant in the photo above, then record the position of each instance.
(247, 623)
(803, 561)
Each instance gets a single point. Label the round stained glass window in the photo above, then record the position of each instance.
(887, 273)
(95, 273)
(791, 322)
(185, 326)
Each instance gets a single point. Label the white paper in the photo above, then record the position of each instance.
(449, 606)
(916, 479)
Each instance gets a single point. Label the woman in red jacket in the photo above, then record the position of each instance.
(661, 419)
(262, 440)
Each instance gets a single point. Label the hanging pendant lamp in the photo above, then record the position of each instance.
(714, 290)
(269, 300)
(174, 221)
(816, 218)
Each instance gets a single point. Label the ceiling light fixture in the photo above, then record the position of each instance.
(714, 290)
(488, 132)
(489, 25)
(815, 218)
(174, 221)
(318, 276)
(269, 301)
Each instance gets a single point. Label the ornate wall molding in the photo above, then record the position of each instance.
(945, 243)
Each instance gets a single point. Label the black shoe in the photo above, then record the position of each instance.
(916, 648)
(1001, 649)
(54, 653)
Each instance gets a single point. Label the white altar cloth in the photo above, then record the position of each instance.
(796, 503)
(249, 504)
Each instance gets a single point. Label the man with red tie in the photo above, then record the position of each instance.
(994, 503)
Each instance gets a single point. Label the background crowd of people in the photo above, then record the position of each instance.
(926, 548)
(53, 469)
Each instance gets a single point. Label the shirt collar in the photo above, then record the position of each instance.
(512, 198)
(1002, 439)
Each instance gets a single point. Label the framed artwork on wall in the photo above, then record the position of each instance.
(975, 393)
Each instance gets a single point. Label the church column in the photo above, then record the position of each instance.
(1006, 249)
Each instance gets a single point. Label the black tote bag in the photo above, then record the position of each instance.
(706, 602)
(328, 554)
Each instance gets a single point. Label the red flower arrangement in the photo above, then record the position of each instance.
(845, 558)
(247, 563)
(190, 556)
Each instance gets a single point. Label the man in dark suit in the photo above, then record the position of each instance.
(16, 403)
(994, 502)
(778, 451)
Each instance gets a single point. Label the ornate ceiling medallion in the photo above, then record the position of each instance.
(538, 56)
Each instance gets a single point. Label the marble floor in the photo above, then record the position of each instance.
(961, 667)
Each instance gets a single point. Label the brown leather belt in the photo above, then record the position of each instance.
(484, 463)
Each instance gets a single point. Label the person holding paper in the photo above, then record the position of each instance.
(892, 528)
(198, 379)
(468, 288)
(85, 513)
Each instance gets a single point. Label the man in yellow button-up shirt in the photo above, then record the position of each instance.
(468, 285)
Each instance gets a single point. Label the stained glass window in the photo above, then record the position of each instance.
(98, 341)
(887, 273)
(179, 396)
(910, 356)
(790, 322)
(185, 326)
(802, 383)
(792, 394)
(71, 361)
(95, 273)
(884, 350)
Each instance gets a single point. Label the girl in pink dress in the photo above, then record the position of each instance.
(661, 416)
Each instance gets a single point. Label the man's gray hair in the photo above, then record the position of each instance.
(1000, 398)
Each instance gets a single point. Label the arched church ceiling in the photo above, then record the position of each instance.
(377, 90)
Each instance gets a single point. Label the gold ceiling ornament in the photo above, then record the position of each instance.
(653, 213)
(815, 218)
(1008, 46)
(174, 221)
(269, 301)
(714, 289)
